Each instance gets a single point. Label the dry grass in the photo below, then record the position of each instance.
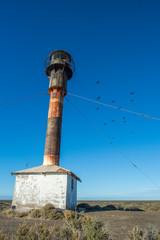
(105, 205)
(11, 213)
(120, 205)
(4, 205)
(35, 213)
(3, 236)
(89, 230)
(72, 224)
(47, 212)
(68, 215)
(148, 234)
(118, 223)
(84, 228)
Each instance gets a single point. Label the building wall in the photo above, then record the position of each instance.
(36, 190)
(71, 192)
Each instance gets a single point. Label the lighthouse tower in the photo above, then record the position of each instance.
(50, 183)
(59, 71)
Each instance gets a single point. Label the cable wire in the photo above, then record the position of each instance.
(111, 106)
(18, 100)
(90, 100)
(122, 154)
(101, 103)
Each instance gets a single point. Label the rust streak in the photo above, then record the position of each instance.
(51, 159)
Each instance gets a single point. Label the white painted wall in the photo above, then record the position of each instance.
(36, 190)
(71, 193)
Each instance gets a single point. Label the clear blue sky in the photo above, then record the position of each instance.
(116, 42)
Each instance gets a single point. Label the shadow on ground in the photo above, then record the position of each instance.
(87, 208)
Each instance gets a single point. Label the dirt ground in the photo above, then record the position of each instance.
(9, 225)
(118, 223)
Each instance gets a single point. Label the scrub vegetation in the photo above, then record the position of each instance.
(73, 227)
(120, 205)
(82, 229)
(93, 220)
(148, 234)
(103, 206)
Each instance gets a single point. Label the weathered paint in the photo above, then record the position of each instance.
(59, 72)
(50, 183)
(46, 169)
(71, 193)
(36, 190)
(53, 135)
(64, 60)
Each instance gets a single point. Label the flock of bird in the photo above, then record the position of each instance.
(113, 101)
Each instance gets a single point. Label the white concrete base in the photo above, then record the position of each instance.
(36, 190)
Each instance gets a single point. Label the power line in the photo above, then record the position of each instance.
(122, 154)
(36, 143)
(111, 106)
(18, 100)
(90, 100)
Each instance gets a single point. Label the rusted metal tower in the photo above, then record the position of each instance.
(50, 183)
(59, 69)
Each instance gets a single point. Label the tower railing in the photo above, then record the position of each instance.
(60, 58)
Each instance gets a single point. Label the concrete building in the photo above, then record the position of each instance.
(49, 183)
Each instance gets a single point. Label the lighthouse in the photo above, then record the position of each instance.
(50, 183)
(59, 69)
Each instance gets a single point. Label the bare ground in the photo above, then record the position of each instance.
(118, 223)
(9, 225)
